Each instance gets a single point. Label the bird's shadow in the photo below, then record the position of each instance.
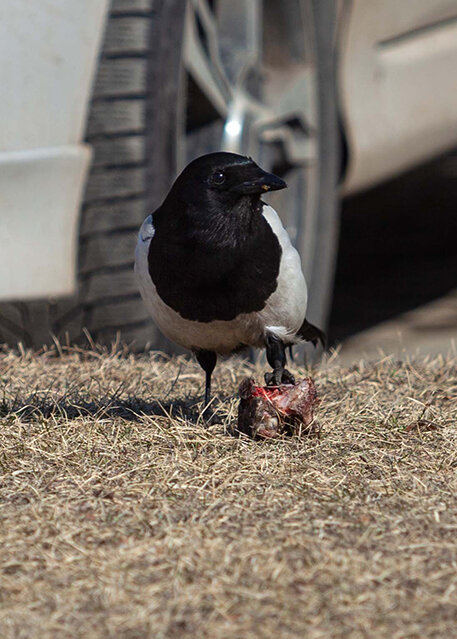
(36, 406)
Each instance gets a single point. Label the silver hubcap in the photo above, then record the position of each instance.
(249, 87)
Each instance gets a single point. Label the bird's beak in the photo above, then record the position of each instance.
(260, 182)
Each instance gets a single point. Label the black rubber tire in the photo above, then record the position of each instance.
(131, 127)
(321, 279)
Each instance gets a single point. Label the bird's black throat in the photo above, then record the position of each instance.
(216, 263)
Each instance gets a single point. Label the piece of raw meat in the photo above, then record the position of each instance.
(270, 411)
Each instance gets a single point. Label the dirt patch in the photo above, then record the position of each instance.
(123, 515)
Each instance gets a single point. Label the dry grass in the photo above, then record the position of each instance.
(123, 516)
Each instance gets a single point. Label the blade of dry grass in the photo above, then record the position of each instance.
(123, 515)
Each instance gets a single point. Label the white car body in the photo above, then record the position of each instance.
(49, 55)
(397, 87)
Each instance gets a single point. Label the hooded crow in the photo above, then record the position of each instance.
(217, 270)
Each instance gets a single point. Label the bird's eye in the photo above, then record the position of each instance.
(219, 177)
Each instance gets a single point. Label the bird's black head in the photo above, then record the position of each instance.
(223, 179)
(216, 200)
(213, 254)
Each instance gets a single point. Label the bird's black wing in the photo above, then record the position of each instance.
(311, 333)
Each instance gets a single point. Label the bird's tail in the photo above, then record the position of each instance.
(311, 333)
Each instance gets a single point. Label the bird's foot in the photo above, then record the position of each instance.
(278, 377)
(287, 377)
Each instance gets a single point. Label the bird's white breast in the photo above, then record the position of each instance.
(285, 309)
(282, 315)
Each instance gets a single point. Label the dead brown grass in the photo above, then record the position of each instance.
(122, 515)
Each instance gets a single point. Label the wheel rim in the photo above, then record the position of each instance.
(249, 86)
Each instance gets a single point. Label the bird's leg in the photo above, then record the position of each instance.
(276, 356)
(207, 360)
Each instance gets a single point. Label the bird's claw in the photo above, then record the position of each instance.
(272, 379)
(278, 377)
(287, 377)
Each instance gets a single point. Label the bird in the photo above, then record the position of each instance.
(217, 270)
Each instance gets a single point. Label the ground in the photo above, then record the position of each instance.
(123, 515)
